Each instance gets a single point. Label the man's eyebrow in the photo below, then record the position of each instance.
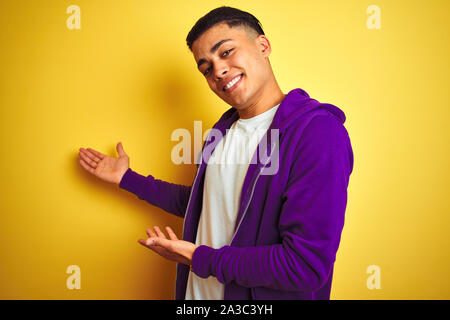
(212, 50)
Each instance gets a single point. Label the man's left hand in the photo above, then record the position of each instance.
(172, 248)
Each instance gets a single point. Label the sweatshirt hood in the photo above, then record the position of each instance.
(298, 103)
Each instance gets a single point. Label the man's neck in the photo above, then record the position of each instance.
(270, 99)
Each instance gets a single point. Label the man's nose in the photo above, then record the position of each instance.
(220, 71)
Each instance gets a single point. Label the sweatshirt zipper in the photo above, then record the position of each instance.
(249, 200)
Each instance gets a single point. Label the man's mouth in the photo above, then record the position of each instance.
(232, 84)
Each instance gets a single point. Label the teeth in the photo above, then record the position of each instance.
(232, 82)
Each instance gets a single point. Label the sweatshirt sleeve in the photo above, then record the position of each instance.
(170, 197)
(310, 224)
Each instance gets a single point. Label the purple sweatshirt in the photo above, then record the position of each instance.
(289, 224)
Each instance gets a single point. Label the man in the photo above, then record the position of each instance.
(250, 232)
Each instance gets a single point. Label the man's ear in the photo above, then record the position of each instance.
(263, 45)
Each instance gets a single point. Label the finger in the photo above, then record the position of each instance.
(98, 154)
(146, 242)
(86, 166)
(87, 160)
(171, 234)
(90, 155)
(159, 250)
(150, 233)
(157, 242)
(161, 242)
(164, 248)
(159, 232)
(120, 150)
(149, 243)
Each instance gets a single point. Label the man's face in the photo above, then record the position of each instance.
(234, 63)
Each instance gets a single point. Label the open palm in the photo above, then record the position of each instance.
(107, 168)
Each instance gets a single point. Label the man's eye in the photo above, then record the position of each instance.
(229, 50)
(225, 53)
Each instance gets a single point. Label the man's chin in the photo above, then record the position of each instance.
(235, 102)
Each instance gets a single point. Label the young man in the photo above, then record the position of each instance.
(251, 231)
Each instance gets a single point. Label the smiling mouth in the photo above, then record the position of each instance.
(232, 83)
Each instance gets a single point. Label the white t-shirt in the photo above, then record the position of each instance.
(224, 177)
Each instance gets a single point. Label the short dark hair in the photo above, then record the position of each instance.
(231, 16)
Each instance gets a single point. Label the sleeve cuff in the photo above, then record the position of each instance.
(201, 261)
(131, 181)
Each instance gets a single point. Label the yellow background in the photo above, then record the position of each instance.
(127, 75)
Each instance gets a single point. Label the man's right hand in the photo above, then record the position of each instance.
(107, 168)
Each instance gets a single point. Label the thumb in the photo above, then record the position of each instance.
(120, 150)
